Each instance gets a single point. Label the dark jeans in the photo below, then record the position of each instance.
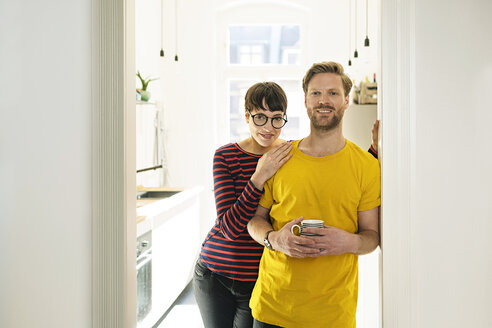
(259, 324)
(223, 302)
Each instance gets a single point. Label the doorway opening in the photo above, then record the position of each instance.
(232, 58)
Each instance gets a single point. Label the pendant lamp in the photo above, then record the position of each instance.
(162, 29)
(366, 41)
(350, 32)
(176, 28)
(356, 54)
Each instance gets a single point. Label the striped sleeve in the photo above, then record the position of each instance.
(233, 213)
(373, 152)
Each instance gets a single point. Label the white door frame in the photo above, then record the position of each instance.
(113, 103)
(397, 151)
(113, 168)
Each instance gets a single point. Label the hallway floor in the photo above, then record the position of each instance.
(183, 313)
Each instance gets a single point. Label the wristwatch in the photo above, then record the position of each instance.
(267, 242)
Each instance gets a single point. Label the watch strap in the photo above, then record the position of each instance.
(267, 242)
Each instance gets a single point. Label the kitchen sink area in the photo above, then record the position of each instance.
(156, 194)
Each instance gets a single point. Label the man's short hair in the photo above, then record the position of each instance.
(327, 67)
(273, 94)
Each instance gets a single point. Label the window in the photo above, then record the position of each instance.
(264, 44)
(260, 53)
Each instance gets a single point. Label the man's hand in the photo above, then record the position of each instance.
(333, 241)
(286, 242)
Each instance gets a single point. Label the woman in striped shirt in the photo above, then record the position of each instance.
(227, 269)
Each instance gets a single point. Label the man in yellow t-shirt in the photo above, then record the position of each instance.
(311, 281)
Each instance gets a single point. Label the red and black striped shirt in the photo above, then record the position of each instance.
(228, 249)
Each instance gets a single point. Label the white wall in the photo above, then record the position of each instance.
(453, 217)
(45, 164)
(358, 121)
(449, 260)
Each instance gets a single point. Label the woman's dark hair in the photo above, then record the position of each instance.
(271, 92)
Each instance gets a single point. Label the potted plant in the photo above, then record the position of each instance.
(143, 92)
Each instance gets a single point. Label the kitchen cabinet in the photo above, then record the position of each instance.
(357, 124)
(174, 223)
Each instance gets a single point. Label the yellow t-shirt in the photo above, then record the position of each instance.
(315, 292)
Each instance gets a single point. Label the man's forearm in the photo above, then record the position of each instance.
(366, 242)
(258, 227)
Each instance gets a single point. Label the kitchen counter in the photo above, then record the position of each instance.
(153, 212)
(174, 222)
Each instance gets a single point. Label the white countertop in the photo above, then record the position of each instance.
(153, 214)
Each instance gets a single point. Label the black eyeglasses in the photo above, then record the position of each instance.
(261, 119)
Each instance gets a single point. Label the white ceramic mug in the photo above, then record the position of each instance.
(307, 224)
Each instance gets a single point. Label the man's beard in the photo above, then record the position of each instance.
(331, 124)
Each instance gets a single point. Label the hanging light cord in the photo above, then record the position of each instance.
(350, 32)
(162, 29)
(176, 28)
(356, 54)
(355, 24)
(367, 16)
